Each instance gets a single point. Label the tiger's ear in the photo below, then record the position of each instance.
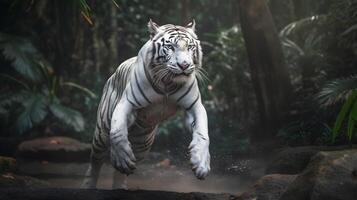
(153, 28)
(192, 25)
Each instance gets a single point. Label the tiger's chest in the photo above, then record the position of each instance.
(156, 112)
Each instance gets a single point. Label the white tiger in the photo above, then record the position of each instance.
(144, 91)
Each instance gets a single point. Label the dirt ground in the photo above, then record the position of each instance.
(160, 175)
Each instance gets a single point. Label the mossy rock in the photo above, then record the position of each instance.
(293, 160)
(329, 176)
(7, 164)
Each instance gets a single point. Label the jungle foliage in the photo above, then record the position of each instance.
(46, 42)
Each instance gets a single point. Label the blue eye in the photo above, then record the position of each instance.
(169, 46)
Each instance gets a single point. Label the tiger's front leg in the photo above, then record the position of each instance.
(196, 121)
(121, 154)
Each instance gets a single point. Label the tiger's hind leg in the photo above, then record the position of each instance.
(141, 139)
(97, 157)
(120, 181)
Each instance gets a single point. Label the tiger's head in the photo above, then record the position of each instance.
(176, 51)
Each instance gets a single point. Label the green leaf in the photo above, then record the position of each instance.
(35, 110)
(80, 87)
(351, 120)
(23, 55)
(69, 116)
(341, 115)
(7, 99)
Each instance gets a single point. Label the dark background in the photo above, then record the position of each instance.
(278, 71)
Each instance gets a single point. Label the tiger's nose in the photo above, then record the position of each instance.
(183, 65)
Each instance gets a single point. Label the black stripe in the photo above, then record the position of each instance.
(95, 143)
(153, 51)
(146, 144)
(175, 90)
(116, 96)
(141, 91)
(104, 97)
(158, 51)
(127, 98)
(156, 89)
(194, 102)
(101, 140)
(201, 136)
(97, 150)
(196, 61)
(188, 90)
(116, 136)
(132, 92)
(110, 103)
(147, 141)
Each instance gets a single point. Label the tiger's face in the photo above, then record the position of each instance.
(176, 51)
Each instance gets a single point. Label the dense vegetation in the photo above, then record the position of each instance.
(56, 56)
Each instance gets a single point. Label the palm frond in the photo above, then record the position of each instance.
(312, 38)
(35, 110)
(337, 90)
(71, 117)
(23, 55)
(300, 24)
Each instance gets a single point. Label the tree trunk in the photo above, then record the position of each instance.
(269, 73)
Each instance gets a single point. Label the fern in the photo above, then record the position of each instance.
(337, 90)
(311, 38)
(38, 92)
(69, 116)
(8, 99)
(23, 54)
(35, 110)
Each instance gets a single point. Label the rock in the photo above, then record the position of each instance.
(329, 176)
(294, 160)
(269, 187)
(291, 160)
(13, 180)
(56, 149)
(78, 194)
(7, 164)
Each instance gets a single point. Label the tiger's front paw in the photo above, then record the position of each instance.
(122, 156)
(200, 158)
